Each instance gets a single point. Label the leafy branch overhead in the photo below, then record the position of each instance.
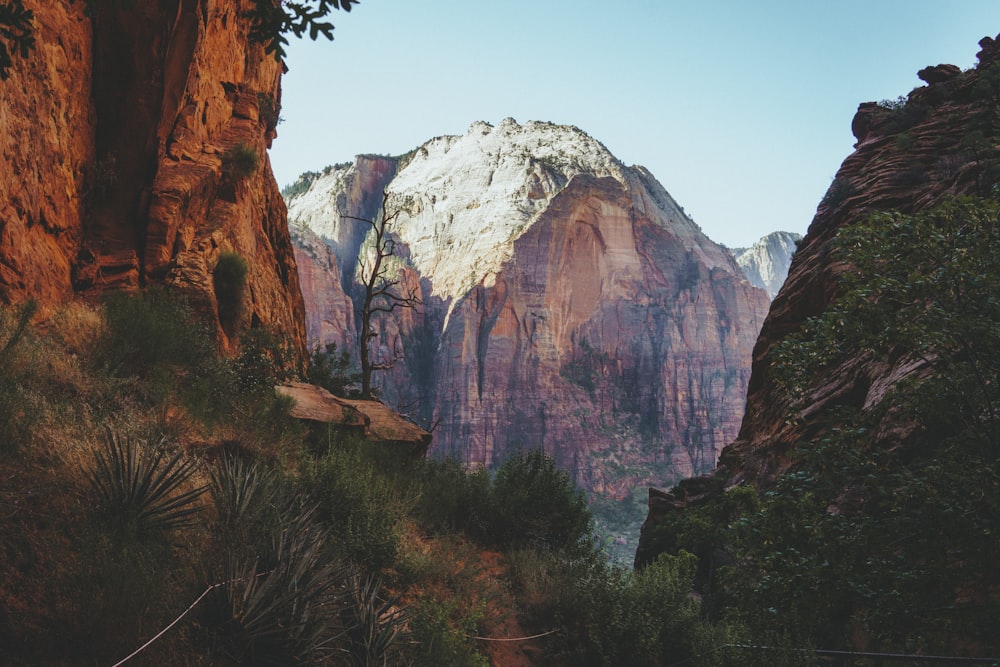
(274, 19)
(271, 21)
(15, 33)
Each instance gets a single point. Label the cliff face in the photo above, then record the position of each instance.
(568, 303)
(117, 129)
(766, 262)
(908, 157)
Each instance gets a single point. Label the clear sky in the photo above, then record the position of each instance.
(742, 108)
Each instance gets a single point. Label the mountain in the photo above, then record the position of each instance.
(766, 262)
(853, 506)
(134, 142)
(568, 302)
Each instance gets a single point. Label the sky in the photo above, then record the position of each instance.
(742, 109)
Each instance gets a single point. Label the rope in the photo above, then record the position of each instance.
(172, 624)
(511, 639)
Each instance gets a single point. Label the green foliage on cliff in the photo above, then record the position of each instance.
(884, 534)
(272, 21)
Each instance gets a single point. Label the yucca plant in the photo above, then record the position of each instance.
(137, 486)
(283, 607)
(375, 625)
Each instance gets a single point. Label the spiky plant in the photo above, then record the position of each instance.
(284, 607)
(376, 624)
(137, 486)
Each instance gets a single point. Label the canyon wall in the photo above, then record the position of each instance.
(124, 133)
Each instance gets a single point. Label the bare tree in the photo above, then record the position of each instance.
(382, 292)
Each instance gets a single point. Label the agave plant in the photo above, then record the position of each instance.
(137, 486)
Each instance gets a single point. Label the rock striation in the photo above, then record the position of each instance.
(119, 131)
(568, 302)
(766, 262)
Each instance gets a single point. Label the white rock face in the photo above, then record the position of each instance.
(766, 262)
(464, 200)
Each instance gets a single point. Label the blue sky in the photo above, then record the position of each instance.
(741, 109)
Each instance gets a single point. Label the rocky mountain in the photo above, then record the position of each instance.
(766, 262)
(910, 155)
(568, 302)
(135, 149)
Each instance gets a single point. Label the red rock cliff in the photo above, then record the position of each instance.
(115, 132)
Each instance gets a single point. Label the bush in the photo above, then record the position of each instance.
(536, 504)
(359, 506)
(151, 329)
(240, 161)
(333, 372)
(453, 499)
(229, 279)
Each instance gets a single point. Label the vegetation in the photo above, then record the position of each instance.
(382, 294)
(240, 161)
(883, 536)
(272, 21)
(16, 36)
(229, 278)
(332, 371)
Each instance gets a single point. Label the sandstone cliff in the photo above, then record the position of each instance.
(568, 303)
(119, 132)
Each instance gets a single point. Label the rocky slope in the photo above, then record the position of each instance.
(910, 154)
(766, 262)
(115, 132)
(568, 302)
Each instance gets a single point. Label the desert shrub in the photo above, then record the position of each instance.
(17, 414)
(240, 161)
(450, 498)
(359, 506)
(442, 636)
(536, 503)
(229, 279)
(333, 372)
(284, 607)
(279, 597)
(269, 109)
(138, 489)
(150, 330)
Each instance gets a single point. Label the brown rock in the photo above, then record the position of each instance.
(114, 129)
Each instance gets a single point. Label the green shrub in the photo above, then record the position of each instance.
(150, 329)
(280, 608)
(536, 503)
(450, 498)
(332, 371)
(359, 506)
(229, 279)
(442, 635)
(375, 624)
(240, 161)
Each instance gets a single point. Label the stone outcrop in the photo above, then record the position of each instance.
(766, 262)
(371, 420)
(907, 158)
(568, 302)
(910, 154)
(118, 131)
